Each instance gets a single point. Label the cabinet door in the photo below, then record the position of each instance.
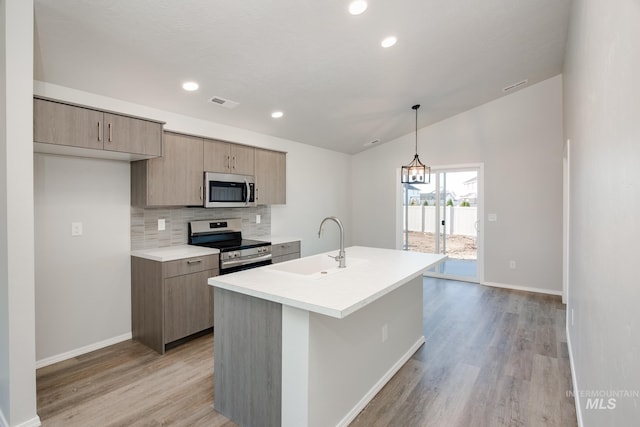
(216, 156)
(62, 124)
(131, 135)
(188, 305)
(176, 178)
(271, 178)
(242, 159)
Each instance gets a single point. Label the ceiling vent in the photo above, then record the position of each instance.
(370, 143)
(515, 86)
(226, 103)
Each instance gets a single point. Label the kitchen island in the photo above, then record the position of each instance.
(305, 343)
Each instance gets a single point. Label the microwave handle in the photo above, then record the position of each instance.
(248, 197)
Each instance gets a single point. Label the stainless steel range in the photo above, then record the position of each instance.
(236, 253)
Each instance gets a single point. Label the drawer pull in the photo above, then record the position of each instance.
(194, 261)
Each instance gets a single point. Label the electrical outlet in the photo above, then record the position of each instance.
(76, 229)
(258, 219)
(161, 225)
(385, 332)
(492, 217)
(512, 264)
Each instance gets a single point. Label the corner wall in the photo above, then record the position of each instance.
(602, 120)
(519, 139)
(17, 341)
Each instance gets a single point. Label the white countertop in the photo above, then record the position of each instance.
(372, 273)
(172, 253)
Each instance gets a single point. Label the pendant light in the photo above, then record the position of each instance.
(415, 172)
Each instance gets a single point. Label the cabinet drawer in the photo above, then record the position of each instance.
(190, 265)
(285, 248)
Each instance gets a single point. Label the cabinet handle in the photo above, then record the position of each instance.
(109, 132)
(194, 261)
(99, 133)
(235, 164)
(201, 192)
(228, 162)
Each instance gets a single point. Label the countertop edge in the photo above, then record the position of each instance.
(173, 253)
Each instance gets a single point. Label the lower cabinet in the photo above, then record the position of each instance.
(171, 300)
(286, 251)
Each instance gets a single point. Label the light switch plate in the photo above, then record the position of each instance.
(258, 219)
(76, 229)
(161, 225)
(493, 217)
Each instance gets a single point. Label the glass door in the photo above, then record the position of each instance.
(442, 217)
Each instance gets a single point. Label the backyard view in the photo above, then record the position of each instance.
(442, 217)
(458, 246)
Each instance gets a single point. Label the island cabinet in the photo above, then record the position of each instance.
(175, 179)
(171, 300)
(225, 157)
(285, 251)
(57, 123)
(271, 177)
(305, 343)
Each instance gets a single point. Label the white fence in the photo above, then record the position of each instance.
(458, 220)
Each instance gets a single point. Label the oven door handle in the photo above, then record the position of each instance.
(238, 262)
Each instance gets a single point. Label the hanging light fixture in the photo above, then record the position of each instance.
(415, 172)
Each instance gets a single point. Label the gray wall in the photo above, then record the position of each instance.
(518, 138)
(83, 283)
(602, 120)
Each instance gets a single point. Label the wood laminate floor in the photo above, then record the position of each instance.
(493, 357)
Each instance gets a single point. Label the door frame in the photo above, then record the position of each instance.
(481, 216)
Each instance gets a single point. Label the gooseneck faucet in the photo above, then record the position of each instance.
(341, 255)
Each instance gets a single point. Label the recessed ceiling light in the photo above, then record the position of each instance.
(277, 114)
(389, 41)
(357, 7)
(190, 86)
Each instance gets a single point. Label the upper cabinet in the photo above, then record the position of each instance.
(175, 179)
(225, 157)
(63, 128)
(271, 177)
(131, 135)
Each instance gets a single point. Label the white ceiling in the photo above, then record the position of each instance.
(323, 67)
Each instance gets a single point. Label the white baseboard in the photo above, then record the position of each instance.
(82, 350)
(522, 288)
(353, 413)
(33, 422)
(574, 380)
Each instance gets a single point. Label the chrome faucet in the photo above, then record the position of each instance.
(341, 255)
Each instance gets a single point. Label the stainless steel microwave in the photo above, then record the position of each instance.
(223, 190)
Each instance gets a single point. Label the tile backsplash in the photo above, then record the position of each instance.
(144, 223)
